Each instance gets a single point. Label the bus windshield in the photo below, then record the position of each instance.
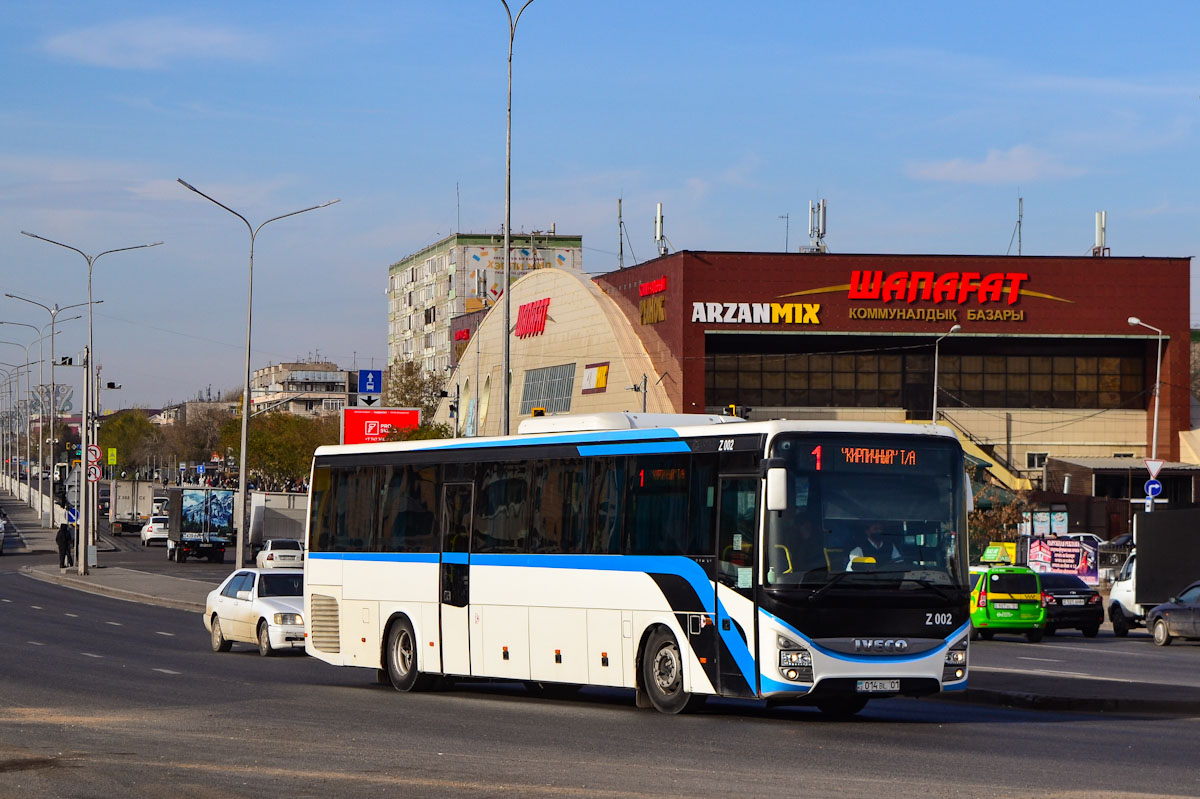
(868, 511)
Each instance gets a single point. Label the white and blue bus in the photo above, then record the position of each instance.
(819, 563)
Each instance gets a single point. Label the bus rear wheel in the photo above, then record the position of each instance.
(662, 674)
(402, 656)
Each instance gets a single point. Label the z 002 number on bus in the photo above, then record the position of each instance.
(939, 619)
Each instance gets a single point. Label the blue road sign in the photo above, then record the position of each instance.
(200, 468)
(370, 381)
(72, 515)
(1153, 488)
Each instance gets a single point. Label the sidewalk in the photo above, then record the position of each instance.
(1009, 689)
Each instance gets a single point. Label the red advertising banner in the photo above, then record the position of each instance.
(372, 425)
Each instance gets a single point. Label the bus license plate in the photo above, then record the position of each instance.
(877, 686)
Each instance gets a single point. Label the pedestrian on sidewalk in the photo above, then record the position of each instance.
(64, 539)
(3, 529)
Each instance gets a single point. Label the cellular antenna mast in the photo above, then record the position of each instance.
(816, 225)
(660, 237)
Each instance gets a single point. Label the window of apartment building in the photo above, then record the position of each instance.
(1035, 460)
(548, 388)
(333, 405)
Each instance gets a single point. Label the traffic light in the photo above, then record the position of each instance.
(539, 412)
(737, 410)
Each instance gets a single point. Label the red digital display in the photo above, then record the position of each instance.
(869, 456)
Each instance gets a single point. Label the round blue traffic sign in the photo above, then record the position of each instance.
(1153, 488)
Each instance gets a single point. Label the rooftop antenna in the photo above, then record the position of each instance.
(620, 237)
(1017, 230)
(1101, 234)
(786, 224)
(816, 225)
(660, 238)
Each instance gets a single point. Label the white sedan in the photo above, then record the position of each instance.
(155, 530)
(280, 553)
(257, 606)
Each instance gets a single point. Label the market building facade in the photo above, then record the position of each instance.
(1034, 356)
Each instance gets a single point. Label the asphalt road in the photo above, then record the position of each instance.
(101, 697)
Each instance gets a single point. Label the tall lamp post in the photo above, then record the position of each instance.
(87, 429)
(954, 329)
(512, 32)
(53, 399)
(28, 413)
(1135, 322)
(246, 386)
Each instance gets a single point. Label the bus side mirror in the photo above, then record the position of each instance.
(777, 488)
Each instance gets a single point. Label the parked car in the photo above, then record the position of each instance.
(257, 606)
(155, 530)
(1178, 617)
(1071, 603)
(1087, 538)
(280, 553)
(1006, 599)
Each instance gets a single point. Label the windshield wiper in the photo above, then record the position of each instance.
(834, 580)
(924, 583)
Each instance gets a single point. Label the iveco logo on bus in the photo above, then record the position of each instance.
(876, 646)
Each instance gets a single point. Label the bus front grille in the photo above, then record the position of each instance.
(326, 635)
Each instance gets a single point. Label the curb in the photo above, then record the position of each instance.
(81, 584)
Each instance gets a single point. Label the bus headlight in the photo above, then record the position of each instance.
(956, 657)
(955, 667)
(795, 658)
(795, 662)
(289, 618)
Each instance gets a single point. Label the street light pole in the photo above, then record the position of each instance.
(953, 329)
(28, 413)
(1135, 322)
(505, 366)
(54, 312)
(246, 385)
(87, 429)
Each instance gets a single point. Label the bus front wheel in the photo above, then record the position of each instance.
(402, 656)
(662, 674)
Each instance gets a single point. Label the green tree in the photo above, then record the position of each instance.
(128, 432)
(410, 386)
(281, 445)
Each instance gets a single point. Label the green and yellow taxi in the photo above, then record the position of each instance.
(1006, 599)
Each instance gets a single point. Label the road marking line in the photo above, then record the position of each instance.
(35, 643)
(90, 655)
(6, 600)
(1044, 660)
(172, 635)
(113, 623)
(1093, 651)
(1051, 673)
(36, 607)
(72, 615)
(168, 671)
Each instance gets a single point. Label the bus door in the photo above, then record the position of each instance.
(457, 512)
(737, 558)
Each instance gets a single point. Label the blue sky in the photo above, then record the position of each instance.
(920, 123)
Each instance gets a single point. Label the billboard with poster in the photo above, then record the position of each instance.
(1064, 556)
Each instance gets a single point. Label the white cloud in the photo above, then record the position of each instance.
(1020, 164)
(152, 43)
